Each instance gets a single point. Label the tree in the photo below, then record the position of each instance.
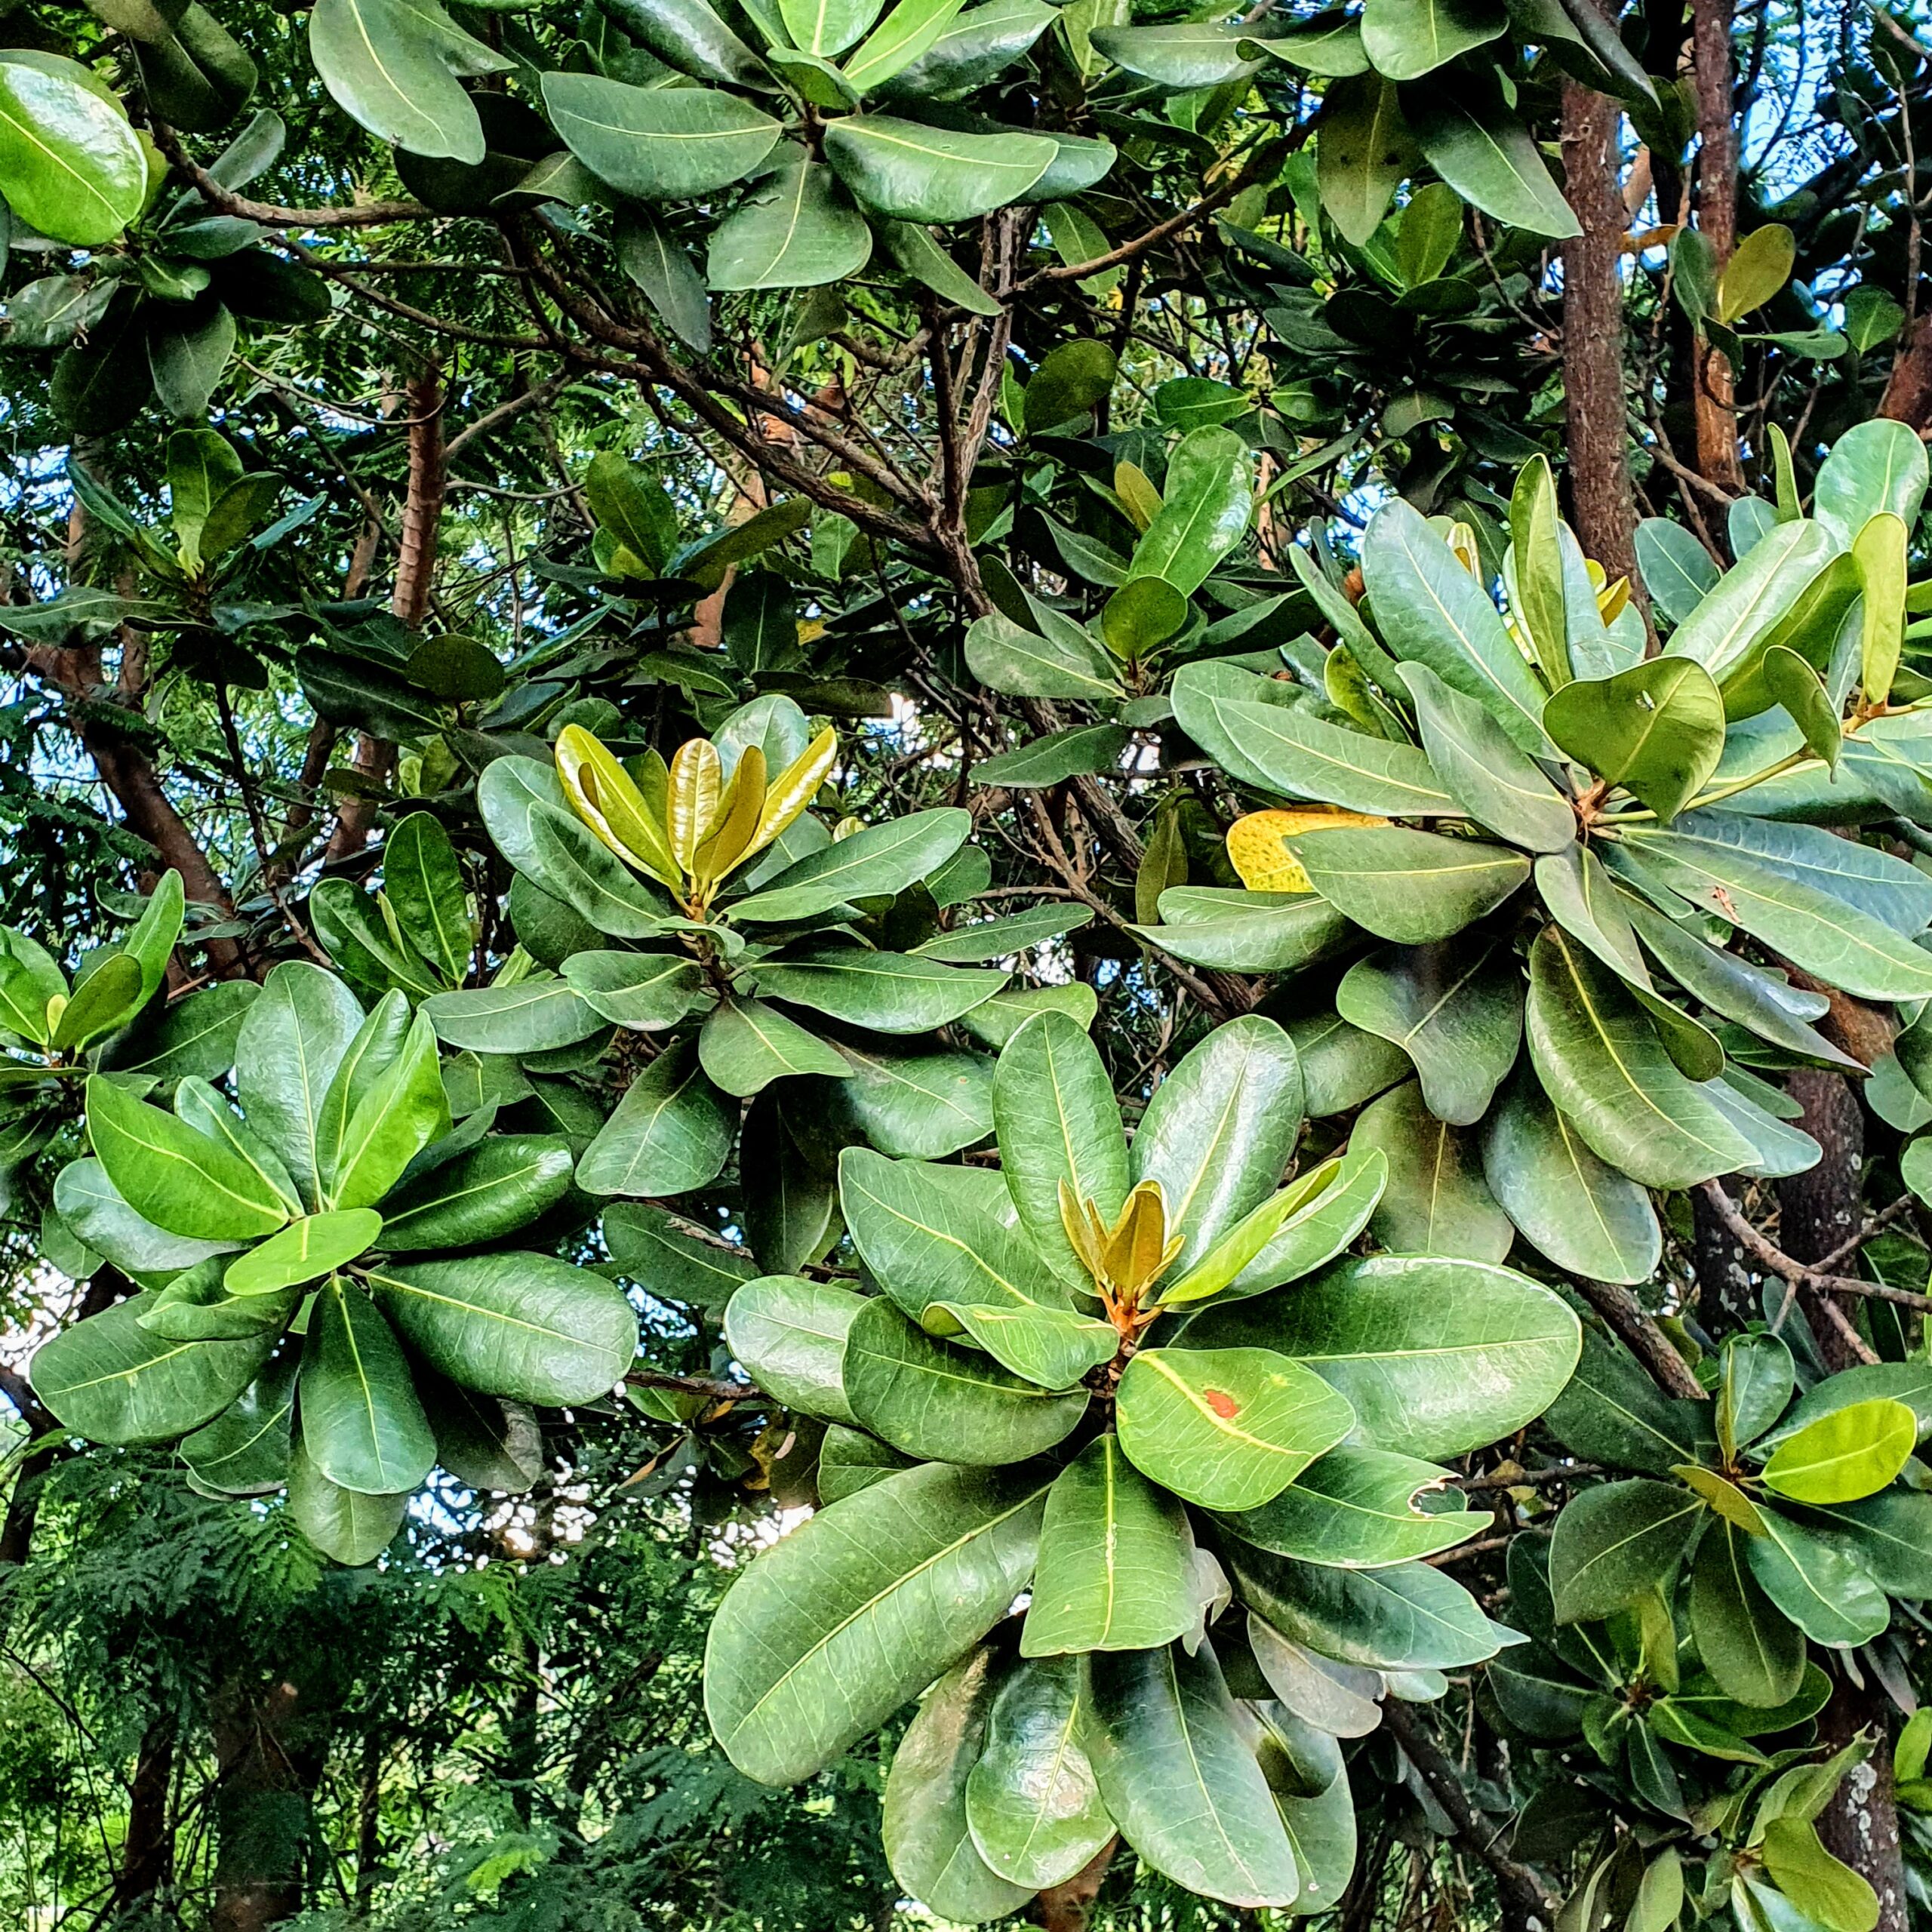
(998, 854)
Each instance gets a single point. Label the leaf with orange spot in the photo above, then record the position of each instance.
(1257, 844)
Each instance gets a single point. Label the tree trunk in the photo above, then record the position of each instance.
(368, 1823)
(1907, 397)
(1728, 1295)
(1067, 1908)
(266, 1770)
(147, 1852)
(1717, 218)
(1605, 510)
(1819, 1209)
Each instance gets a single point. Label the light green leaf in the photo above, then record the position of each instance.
(291, 1043)
(1354, 1509)
(878, 862)
(790, 1335)
(1204, 511)
(658, 143)
(1499, 787)
(1874, 467)
(1436, 1201)
(1656, 729)
(1363, 149)
(1487, 155)
(915, 173)
(1405, 39)
(1412, 887)
(1850, 1453)
(305, 1250)
(391, 66)
(70, 164)
(891, 992)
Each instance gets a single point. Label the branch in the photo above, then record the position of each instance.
(1517, 1881)
(697, 1385)
(367, 214)
(1800, 1276)
(1187, 218)
(1639, 1333)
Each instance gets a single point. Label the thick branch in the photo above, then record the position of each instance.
(1778, 1263)
(367, 214)
(1639, 1333)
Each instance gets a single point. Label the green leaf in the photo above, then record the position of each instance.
(424, 885)
(1436, 1201)
(94, 1213)
(911, 29)
(305, 1250)
(245, 1450)
(1178, 1777)
(882, 860)
(1289, 751)
(1457, 1012)
(831, 1629)
(70, 164)
(345, 1525)
(1539, 591)
(744, 1045)
(1220, 1130)
(984, 940)
(1073, 380)
(1354, 1509)
(106, 998)
(928, 1845)
(1332, 1204)
(1616, 1543)
(647, 991)
(172, 1175)
(1363, 149)
(658, 143)
(914, 1105)
(1792, 683)
(391, 66)
(891, 992)
(490, 1191)
(797, 231)
(1051, 1346)
(1409, 1617)
(529, 1016)
(1875, 467)
(1656, 729)
(1823, 933)
(936, 1401)
(1247, 932)
(1823, 1587)
(1737, 615)
(1069, 663)
(111, 1379)
(1497, 784)
(1183, 56)
(1677, 570)
(1204, 513)
(1759, 267)
(1487, 155)
(1432, 611)
(1825, 1889)
(1405, 39)
(1756, 1656)
(915, 173)
(201, 463)
(404, 1108)
(850, 1461)
(790, 1335)
(290, 1044)
(916, 254)
(486, 1444)
(1436, 1357)
(672, 1132)
(1891, 1534)
(1411, 887)
(692, 38)
(1577, 890)
(678, 1261)
(1032, 1803)
(522, 1326)
(1600, 1060)
(994, 1021)
(647, 253)
(1116, 1570)
(1756, 1379)
(827, 27)
(1339, 1698)
(1611, 1411)
(1225, 1427)
(1321, 1827)
(1587, 1217)
(1850, 1453)
(361, 1424)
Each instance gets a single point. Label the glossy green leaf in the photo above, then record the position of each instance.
(790, 1335)
(1656, 729)
(305, 1250)
(361, 1424)
(286, 1053)
(658, 143)
(1331, 1204)
(1436, 1357)
(673, 1259)
(1411, 887)
(891, 992)
(671, 1132)
(1354, 1509)
(1756, 1656)
(345, 1525)
(245, 1450)
(1185, 55)
(1246, 932)
(1600, 1062)
(392, 66)
(93, 1212)
(915, 173)
(1676, 568)
(647, 992)
(1436, 1201)
(1405, 39)
(1876, 467)
(914, 1105)
(1339, 1699)
(1456, 1012)
(1203, 511)
(881, 860)
(1824, 1888)
(1067, 663)
(798, 231)
(744, 1045)
(1850, 1453)
(522, 1326)
(1179, 1779)
(492, 1190)
(1823, 1586)
(1616, 1543)
(1227, 1428)
(424, 884)
(70, 164)
(1115, 1571)
(1032, 1803)
(404, 1110)
(1487, 155)
(1582, 1213)
(1611, 1411)
(830, 1630)
(1501, 787)
(692, 38)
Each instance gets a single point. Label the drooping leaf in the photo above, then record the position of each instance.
(658, 143)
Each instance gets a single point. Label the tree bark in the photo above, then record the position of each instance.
(1907, 397)
(1861, 1823)
(1066, 1908)
(266, 1771)
(147, 1852)
(1717, 218)
(415, 570)
(1599, 468)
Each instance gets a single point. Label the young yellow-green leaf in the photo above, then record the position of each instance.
(305, 1250)
(1824, 1888)
(1227, 1428)
(1879, 551)
(1852, 1452)
(1538, 597)
(1759, 267)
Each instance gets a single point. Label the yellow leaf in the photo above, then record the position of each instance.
(1612, 599)
(793, 790)
(1136, 490)
(601, 794)
(691, 811)
(737, 819)
(1257, 850)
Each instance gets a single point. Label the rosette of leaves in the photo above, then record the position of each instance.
(1731, 1787)
(1522, 833)
(1144, 1383)
(1791, 1508)
(330, 1296)
(216, 514)
(807, 135)
(700, 904)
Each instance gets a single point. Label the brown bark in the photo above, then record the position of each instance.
(1639, 1333)
(1822, 1206)
(415, 571)
(1717, 218)
(368, 1823)
(1604, 509)
(266, 1770)
(1861, 1823)
(1066, 1908)
(1907, 397)
(147, 1851)
(1727, 1292)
